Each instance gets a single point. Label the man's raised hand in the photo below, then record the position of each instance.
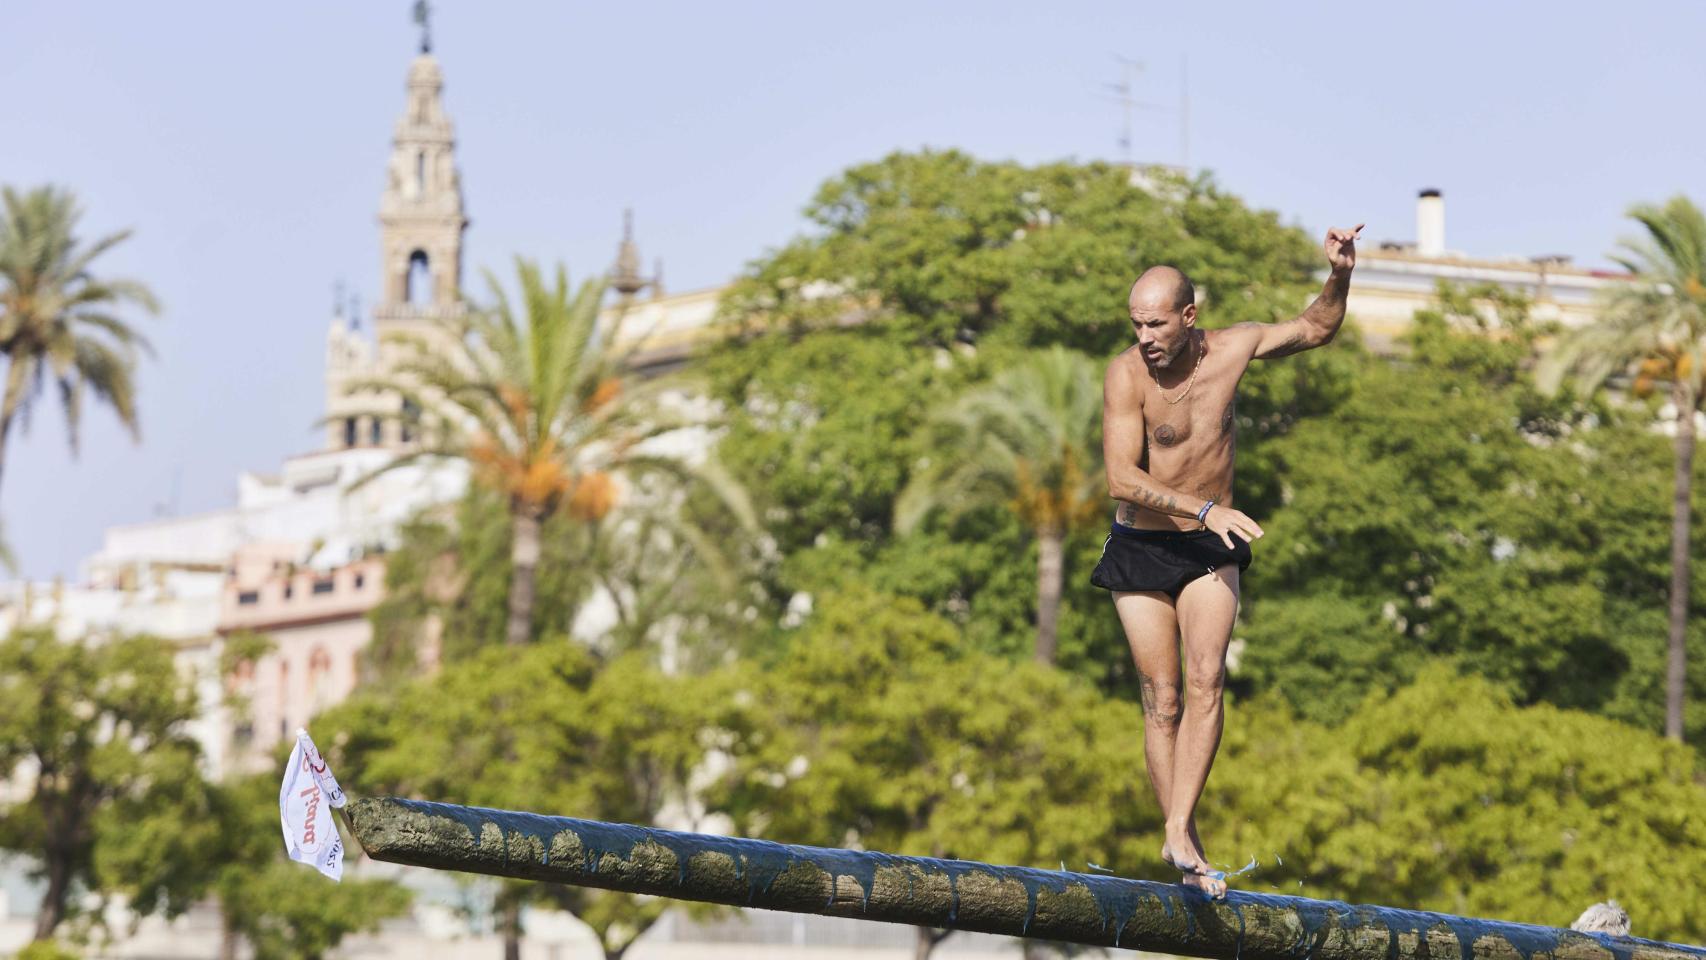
(1341, 247)
(1226, 521)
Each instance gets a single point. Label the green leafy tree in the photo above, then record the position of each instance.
(821, 429)
(1655, 329)
(673, 571)
(447, 584)
(924, 276)
(188, 838)
(57, 319)
(939, 248)
(1481, 531)
(927, 272)
(1533, 813)
(1028, 440)
(875, 726)
(542, 407)
(547, 729)
(1447, 796)
(46, 950)
(97, 730)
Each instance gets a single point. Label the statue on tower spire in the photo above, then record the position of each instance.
(422, 12)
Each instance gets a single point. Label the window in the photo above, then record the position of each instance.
(289, 590)
(323, 585)
(420, 171)
(360, 580)
(247, 597)
(319, 679)
(410, 420)
(349, 431)
(417, 283)
(283, 697)
(375, 432)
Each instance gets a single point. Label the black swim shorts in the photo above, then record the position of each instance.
(1163, 560)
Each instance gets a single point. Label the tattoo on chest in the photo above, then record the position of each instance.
(1165, 435)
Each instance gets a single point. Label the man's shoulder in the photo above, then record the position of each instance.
(1128, 365)
(1239, 340)
(1238, 333)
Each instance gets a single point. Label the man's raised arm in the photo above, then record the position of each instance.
(1320, 322)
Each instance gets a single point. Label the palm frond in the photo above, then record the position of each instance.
(1659, 314)
(54, 313)
(1035, 422)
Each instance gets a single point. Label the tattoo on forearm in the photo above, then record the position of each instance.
(1328, 310)
(1156, 501)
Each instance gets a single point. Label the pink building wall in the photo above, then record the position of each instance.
(317, 622)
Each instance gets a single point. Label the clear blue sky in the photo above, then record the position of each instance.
(246, 145)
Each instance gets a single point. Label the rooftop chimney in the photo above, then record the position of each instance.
(1430, 223)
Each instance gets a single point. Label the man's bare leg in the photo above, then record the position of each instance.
(1152, 630)
(1207, 608)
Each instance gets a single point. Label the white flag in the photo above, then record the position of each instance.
(305, 803)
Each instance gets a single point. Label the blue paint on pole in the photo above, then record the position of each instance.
(761, 862)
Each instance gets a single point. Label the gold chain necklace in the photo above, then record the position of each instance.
(1188, 384)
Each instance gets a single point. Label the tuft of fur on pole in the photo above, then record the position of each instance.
(1608, 917)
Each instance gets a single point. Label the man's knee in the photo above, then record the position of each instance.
(1205, 682)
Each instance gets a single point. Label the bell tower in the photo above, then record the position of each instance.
(421, 221)
(420, 213)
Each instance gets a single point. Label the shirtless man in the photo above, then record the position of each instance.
(1177, 547)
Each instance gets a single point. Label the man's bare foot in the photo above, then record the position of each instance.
(1212, 884)
(1185, 853)
(1195, 844)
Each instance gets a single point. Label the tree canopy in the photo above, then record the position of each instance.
(97, 730)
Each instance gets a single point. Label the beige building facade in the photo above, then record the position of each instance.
(1394, 279)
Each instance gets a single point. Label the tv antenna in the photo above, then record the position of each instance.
(1125, 94)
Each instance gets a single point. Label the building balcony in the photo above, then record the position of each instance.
(299, 597)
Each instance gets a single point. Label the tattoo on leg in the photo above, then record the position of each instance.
(1146, 690)
(1167, 714)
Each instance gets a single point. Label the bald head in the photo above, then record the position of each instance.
(1163, 288)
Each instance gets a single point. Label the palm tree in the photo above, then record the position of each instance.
(1655, 329)
(57, 320)
(544, 409)
(1029, 440)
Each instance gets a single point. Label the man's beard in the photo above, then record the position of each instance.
(1166, 361)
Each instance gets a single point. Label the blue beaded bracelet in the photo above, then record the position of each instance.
(1204, 511)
